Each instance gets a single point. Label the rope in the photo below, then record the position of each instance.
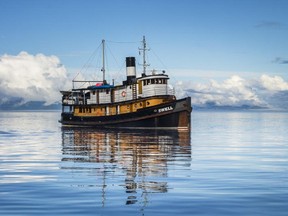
(86, 65)
(123, 42)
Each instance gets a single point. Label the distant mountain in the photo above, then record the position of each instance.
(213, 106)
(17, 104)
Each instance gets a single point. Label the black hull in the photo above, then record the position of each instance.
(173, 115)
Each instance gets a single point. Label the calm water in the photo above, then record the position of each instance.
(232, 163)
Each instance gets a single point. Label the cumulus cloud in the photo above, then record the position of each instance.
(31, 78)
(264, 92)
(27, 77)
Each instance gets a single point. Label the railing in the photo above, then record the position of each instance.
(121, 95)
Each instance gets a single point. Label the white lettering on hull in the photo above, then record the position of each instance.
(165, 109)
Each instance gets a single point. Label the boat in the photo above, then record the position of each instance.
(143, 102)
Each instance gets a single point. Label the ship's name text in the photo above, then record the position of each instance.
(165, 109)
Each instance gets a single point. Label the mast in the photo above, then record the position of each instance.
(103, 59)
(144, 56)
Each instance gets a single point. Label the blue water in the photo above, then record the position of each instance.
(232, 163)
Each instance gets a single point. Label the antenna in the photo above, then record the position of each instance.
(144, 56)
(103, 59)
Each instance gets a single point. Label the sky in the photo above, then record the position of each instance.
(202, 44)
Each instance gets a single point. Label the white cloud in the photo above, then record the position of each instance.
(265, 92)
(40, 77)
(31, 77)
(275, 83)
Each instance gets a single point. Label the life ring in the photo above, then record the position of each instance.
(123, 94)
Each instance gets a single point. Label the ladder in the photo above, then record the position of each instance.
(134, 91)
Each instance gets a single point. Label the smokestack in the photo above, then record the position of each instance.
(130, 69)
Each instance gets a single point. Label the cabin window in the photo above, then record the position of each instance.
(148, 103)
(93, 92)
(80, 109)
(107, 91)
(153, 81)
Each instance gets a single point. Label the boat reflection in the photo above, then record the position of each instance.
(142, 157)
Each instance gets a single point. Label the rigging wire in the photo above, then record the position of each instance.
(96, 57)
(88, 62)
(122, 42)
(111, 53)
(172, 78)
(86, 66)
(158, 58)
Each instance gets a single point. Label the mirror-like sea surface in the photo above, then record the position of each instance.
(232, 163)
